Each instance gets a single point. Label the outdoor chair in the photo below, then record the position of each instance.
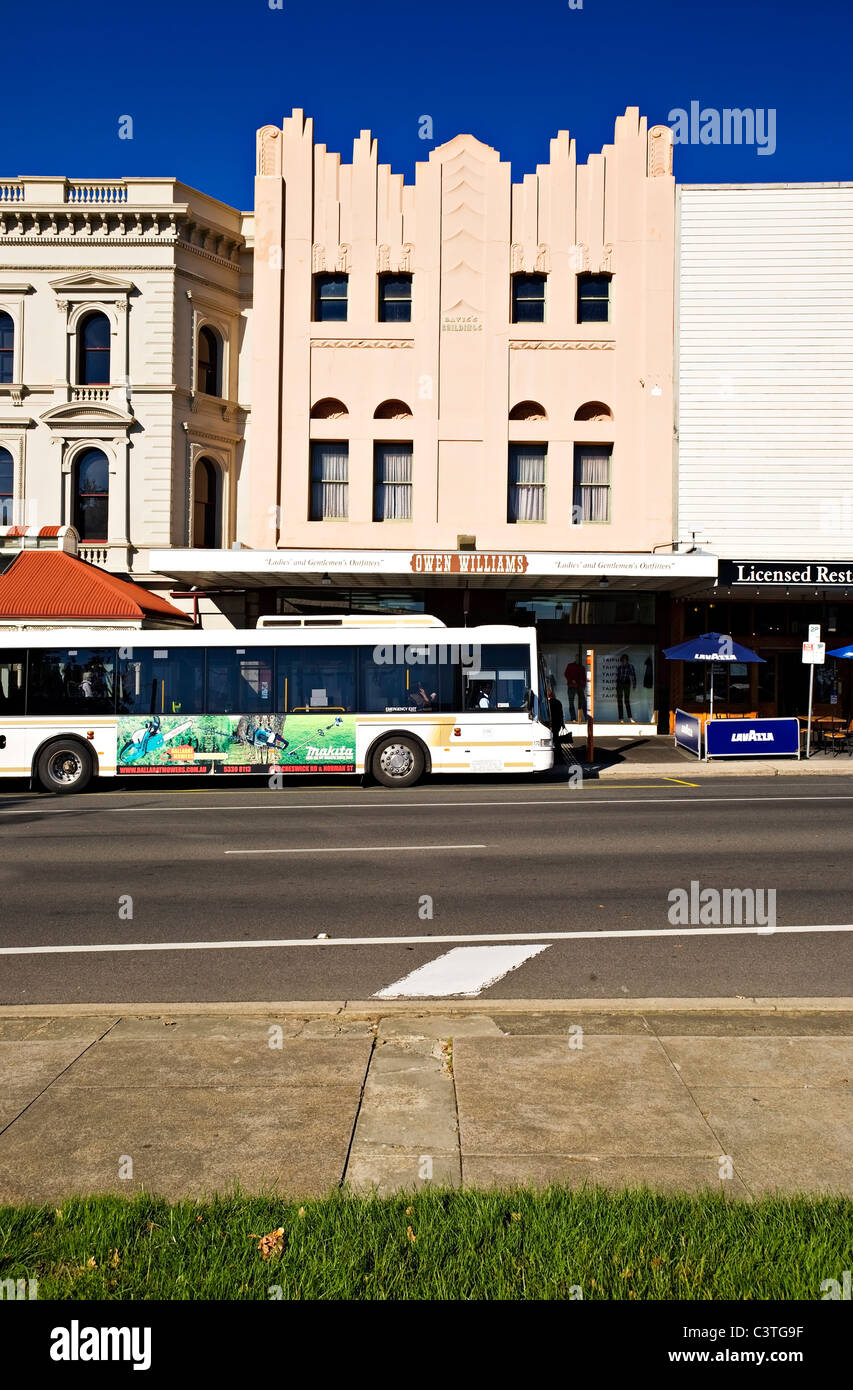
(840, 740)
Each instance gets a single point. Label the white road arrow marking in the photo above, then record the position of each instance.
(465, 971)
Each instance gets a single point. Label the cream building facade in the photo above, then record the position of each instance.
(124, 364)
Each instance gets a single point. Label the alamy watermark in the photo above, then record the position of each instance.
(722, 907)
(708, 125)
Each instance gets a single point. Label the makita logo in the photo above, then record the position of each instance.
(753, 737)
(318, 754)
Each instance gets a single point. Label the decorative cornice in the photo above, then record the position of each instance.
(563, 344)
(362, 342)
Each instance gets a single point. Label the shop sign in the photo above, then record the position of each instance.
(688, 732)
(468, 562)
(750, 738)
(790, 573)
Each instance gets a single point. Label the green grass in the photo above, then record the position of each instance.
(470, 1245)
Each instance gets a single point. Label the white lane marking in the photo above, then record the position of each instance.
(269, 944)
(350, 849)
(587, 803)
(465, 971)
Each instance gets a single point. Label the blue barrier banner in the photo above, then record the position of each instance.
(688, 732)
(752, 738)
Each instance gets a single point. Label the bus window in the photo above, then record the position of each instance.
(72, 680)
(12, 682)
(240, 680)
(316, 678)
(501, 681)
(160, 680)
(420, 683)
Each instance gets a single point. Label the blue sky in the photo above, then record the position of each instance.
(199, 79)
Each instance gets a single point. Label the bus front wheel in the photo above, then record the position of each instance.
(64, 766)
(398, 762)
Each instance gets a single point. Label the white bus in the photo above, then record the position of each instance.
(389, 698)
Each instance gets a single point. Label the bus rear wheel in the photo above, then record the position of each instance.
(64, 766)
(398, 762)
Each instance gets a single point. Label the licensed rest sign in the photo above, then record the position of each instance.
(814, 653)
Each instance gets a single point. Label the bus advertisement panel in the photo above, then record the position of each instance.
(263, 743)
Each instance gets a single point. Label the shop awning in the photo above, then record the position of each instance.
(547, 570)
(51, 586)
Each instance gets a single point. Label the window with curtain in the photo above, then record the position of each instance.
(7, 348)
(526, 493)
(209, 372)
(395, 299)
(93, 351)
(7, 488)
(392, 482)
(592, 483)
(329, 482)
(91, 495)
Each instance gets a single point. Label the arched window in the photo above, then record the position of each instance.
(91, 495)
(528, 410)
(209, 374)
(393, 410)
(329, 408)
(7, 488)
(7, 348)
(205, 505)
(93, 351)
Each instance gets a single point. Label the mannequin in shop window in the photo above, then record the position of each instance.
(575, 677)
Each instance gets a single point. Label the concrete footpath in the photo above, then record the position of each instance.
(747, 1096)
(657, 757)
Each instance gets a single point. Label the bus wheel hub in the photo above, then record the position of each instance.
(396, 760)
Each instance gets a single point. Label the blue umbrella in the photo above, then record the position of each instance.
(711, 646)
(841, 651)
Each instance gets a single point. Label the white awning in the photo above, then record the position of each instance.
(251, 569)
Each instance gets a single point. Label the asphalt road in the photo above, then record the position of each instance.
(523, 861)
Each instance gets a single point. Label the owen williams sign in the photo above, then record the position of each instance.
(468, 562)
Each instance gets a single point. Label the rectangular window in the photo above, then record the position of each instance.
(500, 681)
(330, 298)
(593, 299)
(240, 680)
(71, 681)
(316, 678)
(395, 299)
(592, 483)
(526, 492)
(528, 298)
(161, 680)
(7, 348)
(329, 482)
(12, 665)
(392, 482)
(416, 679)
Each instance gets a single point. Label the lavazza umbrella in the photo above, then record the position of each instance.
(712, 646)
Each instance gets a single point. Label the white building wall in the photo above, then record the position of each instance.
(765, 369)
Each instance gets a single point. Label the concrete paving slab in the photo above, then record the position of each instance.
(743, 1025)
(539, 1115)
(439, 1026)
(602, 1059)
(32, 1065)
(408, 1104)
(768, 1061)
(210, 1028)
(538, 1023)
(662, 1174)
(386, 1174)
(183, 1143)
(139, 1065)
(784, 1140)
(52, 1029)
(338, 1028)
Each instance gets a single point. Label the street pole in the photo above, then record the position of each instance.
(809, 720)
